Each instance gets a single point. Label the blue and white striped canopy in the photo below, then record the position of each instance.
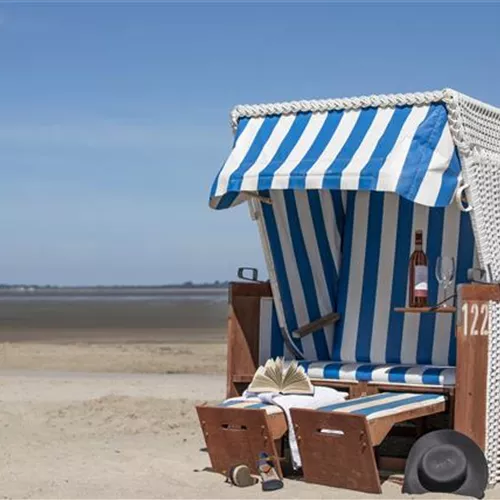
(406, 150)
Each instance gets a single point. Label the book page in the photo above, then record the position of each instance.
(274, 372)
(296, 381)
(290, 373)
(261, 381)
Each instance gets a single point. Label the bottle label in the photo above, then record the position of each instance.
(420, 281)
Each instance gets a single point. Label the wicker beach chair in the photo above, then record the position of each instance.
(338, 188)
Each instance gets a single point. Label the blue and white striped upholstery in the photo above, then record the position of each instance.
(378, 240)
(305, 230)
(348, 190)
(405, 150)
(368, 238)
(381, 373)
(385, 404)
(250, 404)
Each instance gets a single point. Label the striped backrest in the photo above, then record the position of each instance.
(377, 244)
(349, 252)
(304, 229)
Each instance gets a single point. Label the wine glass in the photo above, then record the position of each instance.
(445, 273)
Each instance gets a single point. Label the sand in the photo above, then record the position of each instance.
(123, 357)
(71, 435)
(97, 401)
(105, 435)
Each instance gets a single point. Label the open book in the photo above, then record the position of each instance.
(275, 377)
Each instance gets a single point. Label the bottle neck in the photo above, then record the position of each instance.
(418, 241)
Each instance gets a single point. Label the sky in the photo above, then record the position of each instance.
(114, 118)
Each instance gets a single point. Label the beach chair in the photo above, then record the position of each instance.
(338, 188)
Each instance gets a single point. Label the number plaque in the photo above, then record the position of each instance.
(476, 319)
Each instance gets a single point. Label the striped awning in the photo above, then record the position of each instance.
(406, 150)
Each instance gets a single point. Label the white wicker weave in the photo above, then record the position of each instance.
(493, 408)
(482, 173)
(481, 124)
(475, 128)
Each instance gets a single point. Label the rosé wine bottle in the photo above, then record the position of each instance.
(418, 274)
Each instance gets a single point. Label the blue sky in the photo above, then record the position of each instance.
(114, 118)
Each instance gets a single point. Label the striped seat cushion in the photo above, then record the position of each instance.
(250, 404)
(386, 373)
(385, 403)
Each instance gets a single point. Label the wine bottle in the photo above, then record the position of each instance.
(418, 274)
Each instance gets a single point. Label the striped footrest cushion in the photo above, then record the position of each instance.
(250, 404)
(385, 404)
(382, 373)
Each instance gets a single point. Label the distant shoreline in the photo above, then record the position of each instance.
(187, 286)
(102, 290)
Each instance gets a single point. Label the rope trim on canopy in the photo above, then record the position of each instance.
(322, 105)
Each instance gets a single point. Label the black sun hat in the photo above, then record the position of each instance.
(446, 461)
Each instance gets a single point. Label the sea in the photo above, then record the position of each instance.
(30, 294)
(28, 313)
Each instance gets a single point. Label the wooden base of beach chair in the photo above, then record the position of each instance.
(237, 435)
(337, 447)
(336, 450)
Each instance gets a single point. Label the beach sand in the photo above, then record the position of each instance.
(78, 434)
(74, 435)
(120, 357)
(102, 408)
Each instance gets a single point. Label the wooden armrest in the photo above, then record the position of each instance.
(316, 325)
